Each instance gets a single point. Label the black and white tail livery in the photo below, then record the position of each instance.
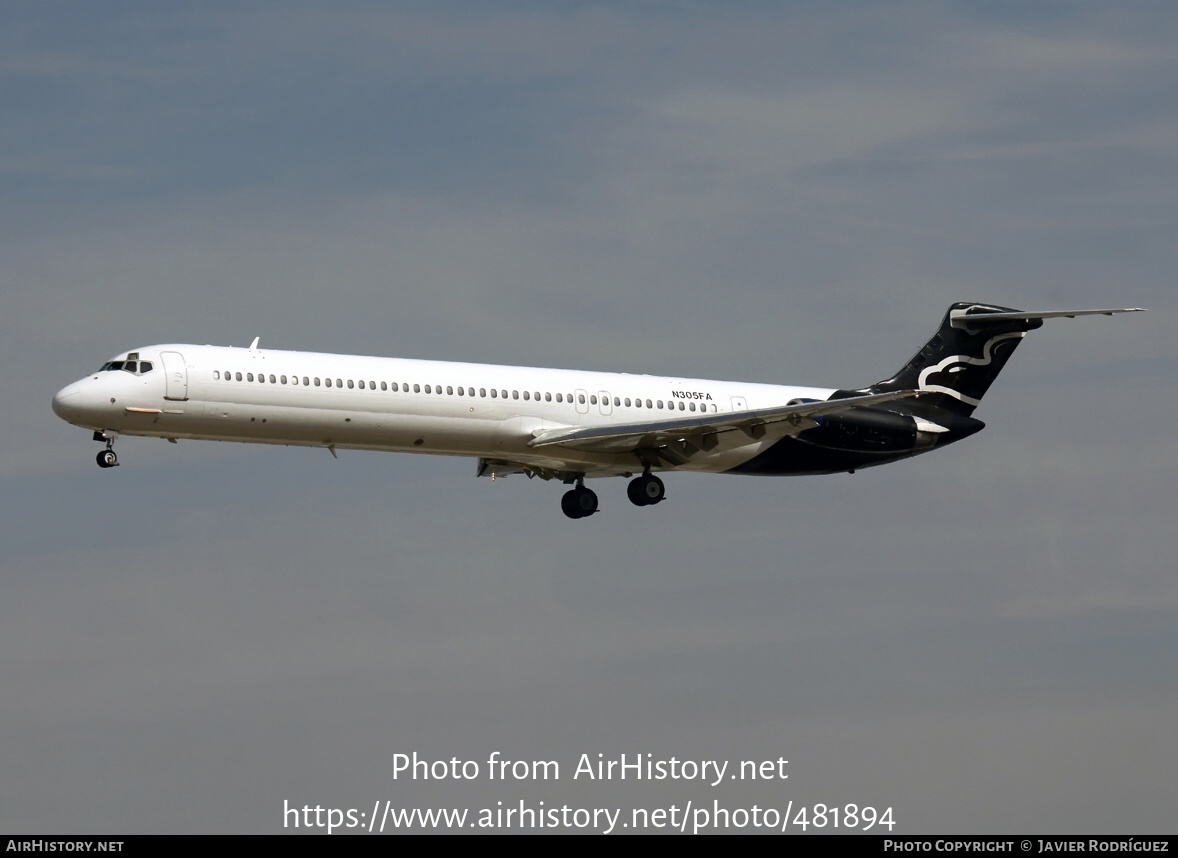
(555, 424)
(957, 366)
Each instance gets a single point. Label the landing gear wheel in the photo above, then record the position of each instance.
(645, 490)
(578, 503)
(108, 459)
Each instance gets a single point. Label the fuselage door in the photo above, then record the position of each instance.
(175, 376)
(739, 404)
(605, 402)
(582, 402)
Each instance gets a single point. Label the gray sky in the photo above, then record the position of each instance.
(982, 638)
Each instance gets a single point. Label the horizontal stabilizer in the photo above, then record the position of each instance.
(964, 318)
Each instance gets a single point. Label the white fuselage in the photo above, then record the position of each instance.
(372, 403)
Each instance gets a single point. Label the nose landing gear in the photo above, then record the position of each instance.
(107, 457)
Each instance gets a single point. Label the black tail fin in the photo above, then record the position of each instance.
(959, 363)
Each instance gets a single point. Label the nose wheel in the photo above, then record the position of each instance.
(107, 458)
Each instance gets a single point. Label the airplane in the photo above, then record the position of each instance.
(556, 424)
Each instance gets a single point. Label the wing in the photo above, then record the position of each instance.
(700, 432)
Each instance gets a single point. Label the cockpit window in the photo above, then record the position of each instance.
(135, 367)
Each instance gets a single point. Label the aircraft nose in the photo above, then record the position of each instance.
(65, 402)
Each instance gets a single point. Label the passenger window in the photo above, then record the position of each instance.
(273, 380)
(494, 393)
(351, 384)
(547, 397)
(249, 376)
(560, 397)
(648, 404)
(627, 402)
(316, 381)
(237, 376)
(339, 382)
(361, 383)
(307, 381)
(428, 389)
(327, 382)
(417, 388)
(617, 402)
(216, 375)
(483, 392)
(581, 398)
(449, 390)
(527, 395)
(515, 394)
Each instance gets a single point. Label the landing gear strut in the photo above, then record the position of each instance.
(646, 490)
(579, 502)
(107, 457)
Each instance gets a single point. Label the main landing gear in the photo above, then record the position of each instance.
(646, 490)
(579, 502)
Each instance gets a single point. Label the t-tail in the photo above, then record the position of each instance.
(956, 367)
